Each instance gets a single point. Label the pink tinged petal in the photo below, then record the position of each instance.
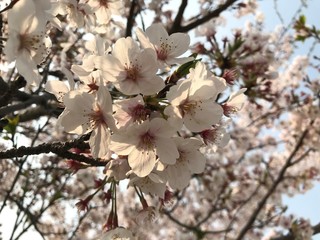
(204, 92)
(157, 34)
(156, 178)
(12, 45)
(124, 49)
(237, 99)
(103, 15)
(99, 142)
(27, 68)
(122, 144)
(179, 93)
(203, 116)
(196, 162)
(22, 17)
(69, 76)
(128, 87)
(179, 44)
(104, 99)
(150, 85)
(74, 123)
(79, 102)
(111, 67)
(57, 88)
(220, 83)
(182, 60)
(144, 40)
(166, 150)
(161, 128)
(79, 70)
(174, 117)
(148, 60)
(178, 176)
(142, 161)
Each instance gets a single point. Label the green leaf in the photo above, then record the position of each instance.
(12, 125)
(302, 19)
(185, 68)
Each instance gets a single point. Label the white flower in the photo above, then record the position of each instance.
(235, 102)
(190, 161)
(60, 88)
(76, 12)
(152, 184)
(193, 100)
(87, 112)
(167, 48)
(103, 9)
(118, 233)
(130, 110)
(27, 43)
(117, 168)
(131, 70)
(144, 143)
(215, 137)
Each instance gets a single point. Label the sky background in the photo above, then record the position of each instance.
(306, 205)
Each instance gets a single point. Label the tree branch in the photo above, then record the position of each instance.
(263, 201)
(130, 18)
(177, 21)
(61, 149)
(290, 236)
(215, 13)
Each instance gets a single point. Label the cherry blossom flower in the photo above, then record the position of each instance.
(131, 70)
(27, 43)
(166, 48)
(193, 100)
(190, 161)
(144, 143)
(77, 13)
(234, 103)
(86, 112)
(117, 168)
(152, 184)
(215, 137)
(60, 88)
(103, 9)
(118, 233)
(131, 110)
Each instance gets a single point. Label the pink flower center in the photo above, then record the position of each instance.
(96, 117)
(164, 49)
(139, 113)
(104, 3)
(187, 107)
(147, 141)
(28, 42)
(132, 74)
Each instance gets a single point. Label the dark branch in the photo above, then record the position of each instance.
(130, 18)
(61, 149)
(290, 236)
(215, 13)
(279, 179)
(177, 21)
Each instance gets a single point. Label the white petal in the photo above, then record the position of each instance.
(122, 144)
(99, 142)
(27, 68)
(166, 150)
(142, 162)
(180, 43)
(206, 114)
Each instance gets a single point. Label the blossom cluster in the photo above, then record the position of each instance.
(117, 98)
(149, 110)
